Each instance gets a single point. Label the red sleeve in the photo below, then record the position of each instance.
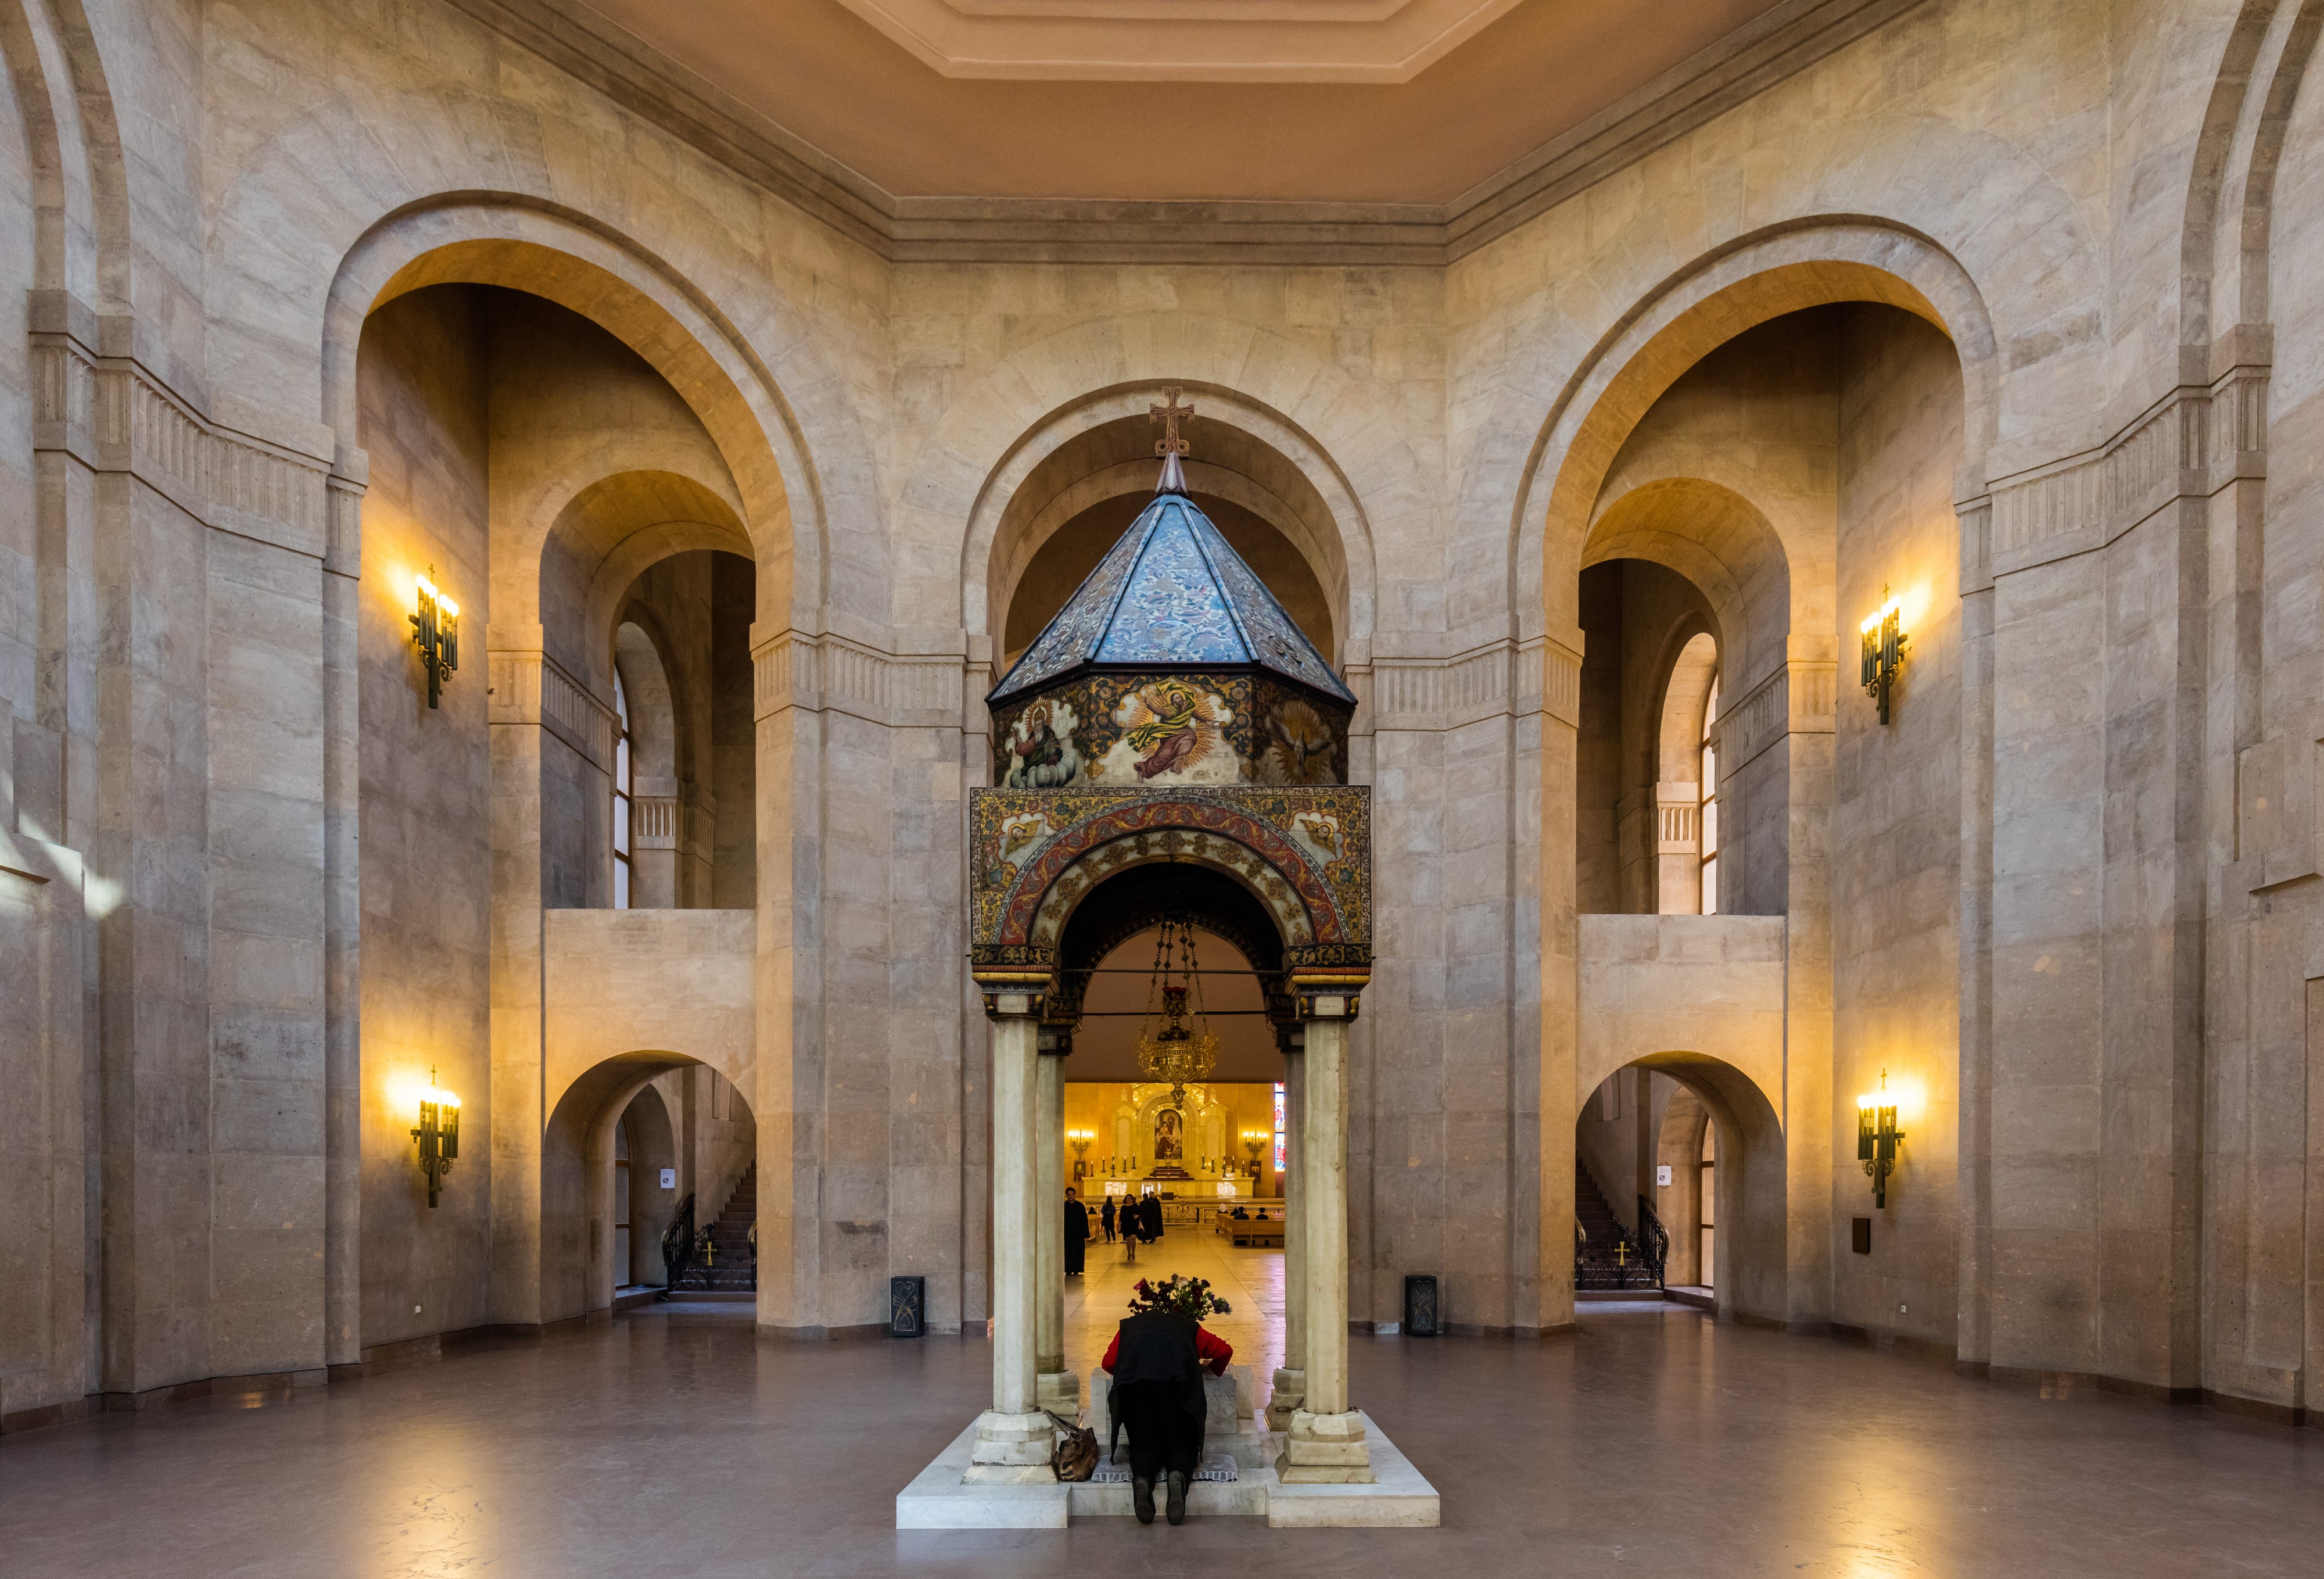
(1112, 1353)
(1212, 1350)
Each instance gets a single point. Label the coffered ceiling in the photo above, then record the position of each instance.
(1333, 101)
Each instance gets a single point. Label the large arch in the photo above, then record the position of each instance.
(1252, 455)
(1750, 1281)
(577, 1274)
(1346, 439)
(594, 272)
(1787, 269)
(1725, 546)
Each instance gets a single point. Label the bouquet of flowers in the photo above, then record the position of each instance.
(1178, 1293)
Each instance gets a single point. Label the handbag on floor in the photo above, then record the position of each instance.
(1074, 1456)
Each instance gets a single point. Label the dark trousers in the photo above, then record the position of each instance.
(1163, 1437)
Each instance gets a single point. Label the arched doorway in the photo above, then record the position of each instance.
(692, 1153)
(1679, 1184)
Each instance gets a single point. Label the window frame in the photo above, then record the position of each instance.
(1706, 820)
(624, 807)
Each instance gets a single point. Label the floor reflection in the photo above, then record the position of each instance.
(1249, 1281)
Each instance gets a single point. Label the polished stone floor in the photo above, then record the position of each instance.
(1654, 1443)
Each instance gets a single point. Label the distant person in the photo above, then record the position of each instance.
(1157, 1360)
(1076, 1232)
(1105, 1218)
(1149, 1218)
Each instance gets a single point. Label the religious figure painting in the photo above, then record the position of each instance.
(1299, 747)
(1169, 1136)
(1042, 754)
(1173, 732)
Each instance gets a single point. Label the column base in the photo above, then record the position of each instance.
(1325, 1450)
(1290, 1390)
(1060, 1393)
(1011, 1450)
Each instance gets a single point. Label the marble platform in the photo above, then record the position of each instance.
(1399, 1497)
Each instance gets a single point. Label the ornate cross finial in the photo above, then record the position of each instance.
(1170, 416)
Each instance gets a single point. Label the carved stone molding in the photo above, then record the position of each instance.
(1431, 694)
(529, 686)
(113, 415)
(2189, 443)
(827, 673)
(1798, 699)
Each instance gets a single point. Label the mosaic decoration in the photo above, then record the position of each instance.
(1080, 626)
(1305, 853)
(1271, 637)
(1038, 751)
(1171, 713)
(1172, 609)
(1172, 592)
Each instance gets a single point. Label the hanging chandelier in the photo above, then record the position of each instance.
(1171, 1050)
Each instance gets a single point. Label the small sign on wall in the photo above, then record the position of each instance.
(1663, 1176)
(669, 1178)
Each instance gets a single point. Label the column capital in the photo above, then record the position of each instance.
(1325, 980)
(1016, 979)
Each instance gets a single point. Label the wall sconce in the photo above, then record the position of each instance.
(1252, 1141)
(1877, 1136)
(1080, 1140)
(1883, 649)
(439, 1134)
(436, 632)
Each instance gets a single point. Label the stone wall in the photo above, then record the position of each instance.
(427, 816)
(2100, 214)
(1895, 822)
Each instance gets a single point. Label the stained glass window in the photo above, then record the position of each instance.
(1278, 1126)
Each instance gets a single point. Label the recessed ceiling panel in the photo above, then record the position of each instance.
(1535, 70)
(1167, 40)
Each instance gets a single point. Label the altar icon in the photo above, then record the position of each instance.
(1168, 1136)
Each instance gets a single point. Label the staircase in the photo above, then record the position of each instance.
(1605, 1253)
(732, 1264)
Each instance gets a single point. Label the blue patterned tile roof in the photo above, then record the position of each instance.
(1171, 592)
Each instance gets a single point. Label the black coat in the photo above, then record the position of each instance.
(1149, 1217)
(1158, 1347)
(1076, 1222)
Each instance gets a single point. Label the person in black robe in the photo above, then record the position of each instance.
(1076, 1232)
(1157, 1360)
(1149, 1218)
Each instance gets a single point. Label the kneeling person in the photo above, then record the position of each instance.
(1157, 1360)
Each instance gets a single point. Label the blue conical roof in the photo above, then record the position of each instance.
(1172, 593)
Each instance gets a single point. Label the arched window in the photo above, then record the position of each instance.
(1709, 822)
(1684, 814)
(622, 798)
(1709, 1170)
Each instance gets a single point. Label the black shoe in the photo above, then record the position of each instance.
(1178, 1498)
(1142, 1497)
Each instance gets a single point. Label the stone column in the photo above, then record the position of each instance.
(1326, 1441)
(1291, 1381)
(1013, 1436)
(1056, 1388)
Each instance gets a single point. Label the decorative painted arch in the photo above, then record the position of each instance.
(1305, 854)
